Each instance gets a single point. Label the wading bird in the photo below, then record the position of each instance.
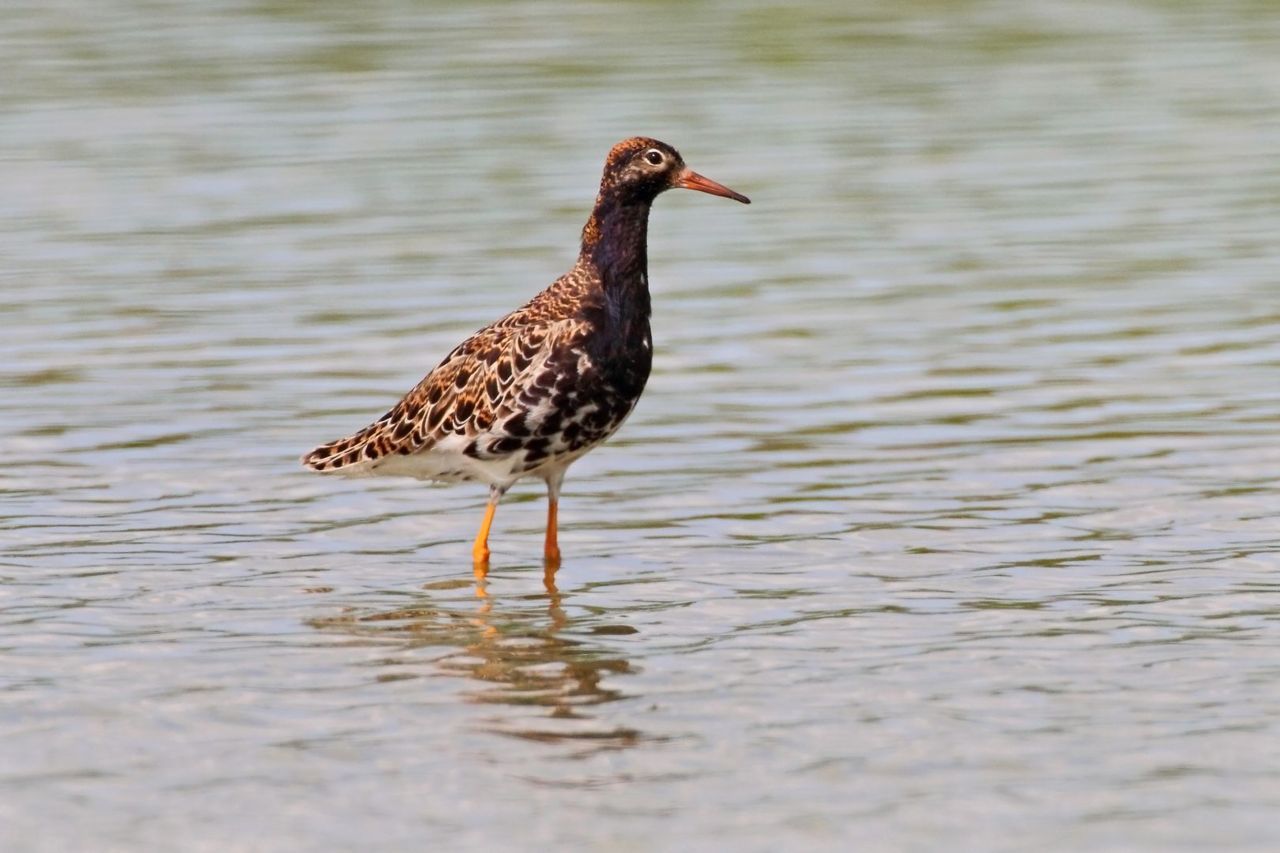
(531, 393)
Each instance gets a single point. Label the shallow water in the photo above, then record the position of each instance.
(948, 518)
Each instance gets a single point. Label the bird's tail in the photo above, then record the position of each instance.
(345, 455)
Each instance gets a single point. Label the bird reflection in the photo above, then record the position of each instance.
(522, 650)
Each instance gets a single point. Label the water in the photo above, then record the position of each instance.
(948, 518)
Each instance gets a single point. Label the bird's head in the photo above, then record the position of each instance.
(638, 169)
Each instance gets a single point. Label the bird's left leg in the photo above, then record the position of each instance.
(551, 547)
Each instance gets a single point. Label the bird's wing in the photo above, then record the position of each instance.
(488, 383)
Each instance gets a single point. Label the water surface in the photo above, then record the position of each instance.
(948, 518)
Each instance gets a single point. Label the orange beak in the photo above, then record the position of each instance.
(691, 180)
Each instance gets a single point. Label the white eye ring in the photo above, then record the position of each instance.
(654, 157)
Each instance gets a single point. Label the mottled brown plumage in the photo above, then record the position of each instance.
(529, 394)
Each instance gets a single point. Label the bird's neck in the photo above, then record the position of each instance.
(614, 242)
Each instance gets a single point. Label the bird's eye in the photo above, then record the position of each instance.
(653, 157)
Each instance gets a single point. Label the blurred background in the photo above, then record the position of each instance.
(948, 518)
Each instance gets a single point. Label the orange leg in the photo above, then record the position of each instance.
(480, 548)
(551, 549)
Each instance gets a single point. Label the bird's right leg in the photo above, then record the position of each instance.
(480, 548)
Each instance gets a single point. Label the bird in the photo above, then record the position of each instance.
(532, 392)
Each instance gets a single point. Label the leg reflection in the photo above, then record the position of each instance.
(554, 610)
(541, 666)
(481, 570)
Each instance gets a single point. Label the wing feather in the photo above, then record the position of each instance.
(478, 385)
